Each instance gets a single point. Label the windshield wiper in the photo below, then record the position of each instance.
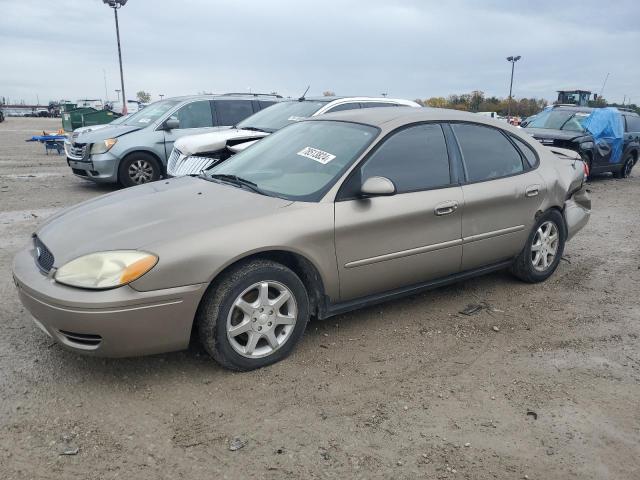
(236, 180)
(253, 129)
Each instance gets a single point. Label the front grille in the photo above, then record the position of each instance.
(85, 341)
(173, 160)
(76, 151)
(179, 164)
(44, 257)
(77, 171)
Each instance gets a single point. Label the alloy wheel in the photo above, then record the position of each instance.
(261, 319)
(545, 246)
(628, 166)
(141, 171)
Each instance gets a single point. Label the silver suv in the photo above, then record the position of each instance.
(136, 150)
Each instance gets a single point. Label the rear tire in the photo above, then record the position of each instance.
(627, 166)
(543, 250)
(138, 168)
(253, 316)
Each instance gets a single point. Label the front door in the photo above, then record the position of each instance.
(384, 243)
(194, 118)
(502, 193)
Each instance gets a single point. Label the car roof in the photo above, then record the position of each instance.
(573, 108)
(380, 116)
(350, 98)
(221, 96)
(387, 119)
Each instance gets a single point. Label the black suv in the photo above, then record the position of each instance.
(561, 126)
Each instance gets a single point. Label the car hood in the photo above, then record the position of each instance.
(549, 133)
(109, 131)
(150, 214)
(214, 141)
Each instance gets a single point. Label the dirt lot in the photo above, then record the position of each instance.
(409, 389)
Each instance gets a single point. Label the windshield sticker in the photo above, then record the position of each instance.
(296, 119)
(317, 155)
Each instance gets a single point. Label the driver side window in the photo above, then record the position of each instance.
(414, 159)
(195, 115)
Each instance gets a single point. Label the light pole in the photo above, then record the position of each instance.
(116, 4)
(513, 61)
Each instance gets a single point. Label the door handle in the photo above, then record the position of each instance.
(532, 190)
(445, 208)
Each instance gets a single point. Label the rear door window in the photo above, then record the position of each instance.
(231, 112)
(633, 123)
(264, 104)
(377, 104)
(344, 106)
(527, 151)
(486, 152)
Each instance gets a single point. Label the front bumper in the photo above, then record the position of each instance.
(577, 211)
(101, 168)
(121, 322)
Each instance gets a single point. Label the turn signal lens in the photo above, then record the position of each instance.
(137, 269)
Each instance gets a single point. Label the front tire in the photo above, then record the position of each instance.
(627, 166)
(543, 250)
(253, 316)
(138, 168)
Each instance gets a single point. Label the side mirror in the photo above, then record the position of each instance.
(377, 187)
(171, 123)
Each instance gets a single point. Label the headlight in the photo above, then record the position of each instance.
(106, 269)
(586, 145)
(104, 146)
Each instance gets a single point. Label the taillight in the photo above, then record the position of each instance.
(586, 170)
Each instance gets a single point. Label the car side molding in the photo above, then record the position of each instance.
(330, 309)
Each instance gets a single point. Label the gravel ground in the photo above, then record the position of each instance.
(542, 384)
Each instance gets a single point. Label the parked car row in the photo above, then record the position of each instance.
(325, 215)
(195, 153)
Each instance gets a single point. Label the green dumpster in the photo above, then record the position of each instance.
(73, 119)
(99, 117)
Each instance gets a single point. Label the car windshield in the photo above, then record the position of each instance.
(560, 120)
(302, 161)
(281, 114)
(150, 114)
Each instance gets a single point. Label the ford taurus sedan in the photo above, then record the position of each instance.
(324, 216)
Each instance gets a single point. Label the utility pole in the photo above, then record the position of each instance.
(116, 4)
(513, 61)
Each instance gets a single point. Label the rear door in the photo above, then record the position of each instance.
(502, 193)
(384, 243)
(194, 118)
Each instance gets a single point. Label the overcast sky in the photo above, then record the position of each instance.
(408, 48)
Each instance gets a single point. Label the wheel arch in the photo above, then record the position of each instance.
(145, 151)
(304, 268)
(558, 209)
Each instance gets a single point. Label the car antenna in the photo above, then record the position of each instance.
(301, 99)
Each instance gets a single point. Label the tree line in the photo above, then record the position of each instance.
(476, 101)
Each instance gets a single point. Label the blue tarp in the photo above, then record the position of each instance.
(605, 126)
